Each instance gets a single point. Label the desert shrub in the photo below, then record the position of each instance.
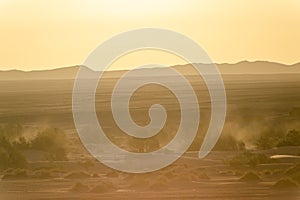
(4, 156)
(78, 175)
(21, 143)
(296, 177)
(292, 138)
(16, 174)
(79, 187)
(12, 143)
(294, 169)
(10, 157)
(250, 177)
(9, 170)
(53, 141)
(267, 172)
(11, 131)
(42, 174)
(268, 139)
(238, 173)
(200, 176)
(285, 184)
(271, 139)
(294, 173)
(103, 187)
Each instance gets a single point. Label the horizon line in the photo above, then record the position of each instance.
(78, 65)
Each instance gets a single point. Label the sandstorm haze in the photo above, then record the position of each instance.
(254, 45)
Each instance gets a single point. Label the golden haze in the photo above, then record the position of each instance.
(48, 34)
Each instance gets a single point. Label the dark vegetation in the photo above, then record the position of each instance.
(292, 138)
(271, 139)
(52, 141)
(15, 174)
(13, 143)
(285, 184)
(250, 177)
(10, 156)
(294, 173)
(267, 139)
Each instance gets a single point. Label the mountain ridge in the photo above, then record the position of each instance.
(242, 67)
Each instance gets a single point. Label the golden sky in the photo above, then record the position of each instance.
(40, 34)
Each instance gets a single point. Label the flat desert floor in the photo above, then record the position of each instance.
(255, 102)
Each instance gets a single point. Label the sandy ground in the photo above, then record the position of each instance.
(178, 181)
(37, 104)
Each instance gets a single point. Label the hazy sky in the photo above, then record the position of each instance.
(39, 34)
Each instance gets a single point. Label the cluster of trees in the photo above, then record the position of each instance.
(13, 143)
(271, 139)
(10, 156)
(266, 140)
(51, 140)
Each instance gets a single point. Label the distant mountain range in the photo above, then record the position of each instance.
(244, 67)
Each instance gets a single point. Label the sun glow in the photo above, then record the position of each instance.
(129, 8)
(48, 34)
